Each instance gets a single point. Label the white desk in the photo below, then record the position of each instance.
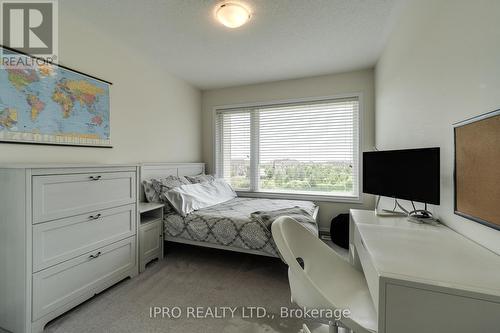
(425, 278)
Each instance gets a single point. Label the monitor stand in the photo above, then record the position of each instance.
(416, 216)
(388, 212)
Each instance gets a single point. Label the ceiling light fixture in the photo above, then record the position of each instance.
(232, 14)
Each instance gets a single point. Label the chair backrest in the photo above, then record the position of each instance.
(320, 279)
(299, 249)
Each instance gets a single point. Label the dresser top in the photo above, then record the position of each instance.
(421, 253)
(63, 165)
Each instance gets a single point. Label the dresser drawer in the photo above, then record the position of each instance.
(372, 278)
(60, 196)
(75, 279)
(64, 239)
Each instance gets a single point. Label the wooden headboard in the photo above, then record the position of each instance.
(161, 170)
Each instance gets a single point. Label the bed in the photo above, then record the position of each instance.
(227, 225)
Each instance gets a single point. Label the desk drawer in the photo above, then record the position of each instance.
(371, 275)
(60, 196)
(64, 239)
(61, 284)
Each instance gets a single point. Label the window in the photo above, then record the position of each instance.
(291, 148)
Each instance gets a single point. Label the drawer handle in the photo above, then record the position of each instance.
(93, 256)
(95, 177)
(95, 217)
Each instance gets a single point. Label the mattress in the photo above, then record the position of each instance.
(230, 224)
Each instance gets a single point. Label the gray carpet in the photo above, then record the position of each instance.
(189, 277)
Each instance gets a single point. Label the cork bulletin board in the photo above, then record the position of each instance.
(477, 169)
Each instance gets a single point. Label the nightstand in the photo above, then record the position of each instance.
(150, 233)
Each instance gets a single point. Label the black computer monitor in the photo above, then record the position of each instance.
(410, 174)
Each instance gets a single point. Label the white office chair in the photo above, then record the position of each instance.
(327, 281)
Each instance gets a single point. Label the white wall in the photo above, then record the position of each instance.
(441, 65)
(154, 115)
(328, 85)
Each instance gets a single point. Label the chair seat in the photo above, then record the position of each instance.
(327, 280)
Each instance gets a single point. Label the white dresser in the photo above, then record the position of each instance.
(67, 232)
(425, 278)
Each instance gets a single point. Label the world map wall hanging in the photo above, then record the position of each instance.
(43, 103)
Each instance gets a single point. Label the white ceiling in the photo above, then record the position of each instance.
(285, 39)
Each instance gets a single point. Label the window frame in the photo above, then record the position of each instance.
(298, 195)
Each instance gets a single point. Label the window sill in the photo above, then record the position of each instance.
(300, 196)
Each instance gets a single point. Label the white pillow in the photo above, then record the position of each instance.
(188, 198)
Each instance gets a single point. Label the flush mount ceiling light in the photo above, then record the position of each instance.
(232, 14)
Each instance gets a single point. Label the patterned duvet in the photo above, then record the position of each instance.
(230, 224)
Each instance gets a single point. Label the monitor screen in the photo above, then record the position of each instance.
(410, 174)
